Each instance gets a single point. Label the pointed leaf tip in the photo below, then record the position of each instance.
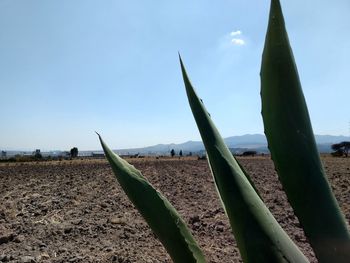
(160, 215)
(293, 148)
(276, 12)
(181, 63)
(184, 75)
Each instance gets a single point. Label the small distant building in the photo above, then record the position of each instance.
(98, 155)
(3, 154)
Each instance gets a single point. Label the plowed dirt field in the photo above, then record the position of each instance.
(75, 211)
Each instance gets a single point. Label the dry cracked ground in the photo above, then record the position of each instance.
(75, 211)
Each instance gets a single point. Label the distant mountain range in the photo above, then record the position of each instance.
(237, 144)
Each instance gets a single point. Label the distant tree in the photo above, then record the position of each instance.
(180, 153)
(341, 149)
(74, 152)
(172, 152)
(249, 153)
(189, 154)
(37, 154)
(346, 148)
(337, 149)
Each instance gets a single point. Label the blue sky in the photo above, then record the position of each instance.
(69, 68)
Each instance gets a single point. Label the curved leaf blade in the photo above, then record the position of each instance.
(259, 237)
(293, 148)
(160, 215)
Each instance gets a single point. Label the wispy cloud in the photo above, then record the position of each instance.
(238, 41)
(232, 39)
(235, 33)
(236, 38)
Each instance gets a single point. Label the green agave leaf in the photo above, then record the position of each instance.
(259, 237)
(160, 215)
(293, 148)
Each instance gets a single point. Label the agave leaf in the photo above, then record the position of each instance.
(293, 148)
(259, 237)
(160, 215)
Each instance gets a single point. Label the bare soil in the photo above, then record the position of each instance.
(75, 211)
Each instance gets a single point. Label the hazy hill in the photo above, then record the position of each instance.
(236, 143)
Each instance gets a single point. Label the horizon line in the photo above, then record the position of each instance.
(132, 148)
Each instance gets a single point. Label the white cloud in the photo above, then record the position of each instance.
(235, 33)
(232, 39)
(237, 41)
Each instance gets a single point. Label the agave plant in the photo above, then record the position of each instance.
(291, 142)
